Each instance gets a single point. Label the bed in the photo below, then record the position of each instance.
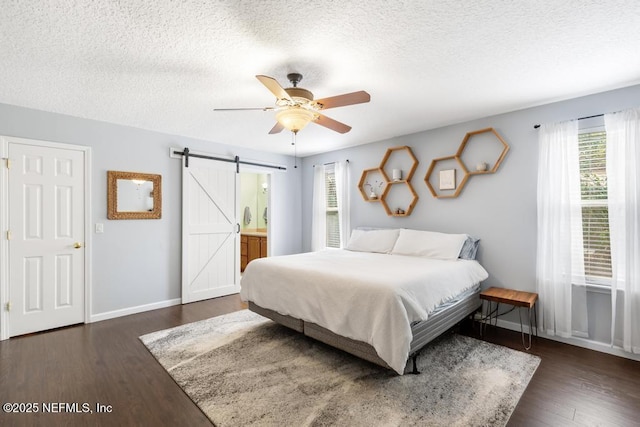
(384, 297)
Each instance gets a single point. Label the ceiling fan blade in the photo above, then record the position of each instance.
(276, 129)
(332, 124)
(245, 109)
(343, 100)
(273, 85)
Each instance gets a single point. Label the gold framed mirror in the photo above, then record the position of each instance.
(133, 195)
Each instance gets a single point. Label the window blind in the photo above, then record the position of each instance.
(595, 212)
(333, 220)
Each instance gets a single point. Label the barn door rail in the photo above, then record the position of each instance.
(187, 154)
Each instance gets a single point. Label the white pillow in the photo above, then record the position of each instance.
(429, 244)
(380, 241)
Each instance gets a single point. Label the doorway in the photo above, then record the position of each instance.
(254, 216)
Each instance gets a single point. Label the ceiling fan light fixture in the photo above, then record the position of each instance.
(295, 106)
(295, 119)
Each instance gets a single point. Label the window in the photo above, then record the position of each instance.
(332, 215)
(595, 212)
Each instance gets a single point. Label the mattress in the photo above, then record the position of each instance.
(366, 297)
(441, 320)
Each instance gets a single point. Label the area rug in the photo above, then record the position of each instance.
(244, 370)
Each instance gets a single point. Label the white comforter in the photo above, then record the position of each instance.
(364, 296)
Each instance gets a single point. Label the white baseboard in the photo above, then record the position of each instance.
(134, 310)
(579, 342)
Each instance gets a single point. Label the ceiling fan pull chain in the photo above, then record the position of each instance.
(294, 135)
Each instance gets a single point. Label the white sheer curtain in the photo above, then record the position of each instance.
(560, 260)
(623, 181)
(319, 214)
(344, 200)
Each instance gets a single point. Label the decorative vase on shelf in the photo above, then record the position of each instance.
(482, 166)
(373, 195)
(397, 174)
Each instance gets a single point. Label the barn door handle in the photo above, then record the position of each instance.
(238, 225)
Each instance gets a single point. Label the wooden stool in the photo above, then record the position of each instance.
(512, 297)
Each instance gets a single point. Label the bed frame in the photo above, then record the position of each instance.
(423, 332)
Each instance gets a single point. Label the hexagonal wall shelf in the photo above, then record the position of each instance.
(492, 145)
(399, 158)
(372, 182)
(434, 167)
(402, 200)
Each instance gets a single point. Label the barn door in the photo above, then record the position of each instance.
(210, 230)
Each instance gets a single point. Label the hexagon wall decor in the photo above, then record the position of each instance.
(399, 190)
(487, 136)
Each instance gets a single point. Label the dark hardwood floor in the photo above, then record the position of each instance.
(573, 386)
(105, 363)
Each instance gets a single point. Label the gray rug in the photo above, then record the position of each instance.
(242, 369)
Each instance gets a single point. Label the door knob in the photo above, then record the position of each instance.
(77, 245)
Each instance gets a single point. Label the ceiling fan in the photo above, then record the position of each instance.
(295, 106)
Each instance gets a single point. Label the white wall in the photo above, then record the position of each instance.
(137, 262)
(500, 208)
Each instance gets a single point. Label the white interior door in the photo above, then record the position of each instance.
(210, 230)
(46, 245)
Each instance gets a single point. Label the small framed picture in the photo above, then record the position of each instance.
(448, 179)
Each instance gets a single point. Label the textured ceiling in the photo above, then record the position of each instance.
(165, 65)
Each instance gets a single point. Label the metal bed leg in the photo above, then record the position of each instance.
(414, 358)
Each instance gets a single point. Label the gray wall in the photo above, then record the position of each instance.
(500, 208)
(137, 262)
